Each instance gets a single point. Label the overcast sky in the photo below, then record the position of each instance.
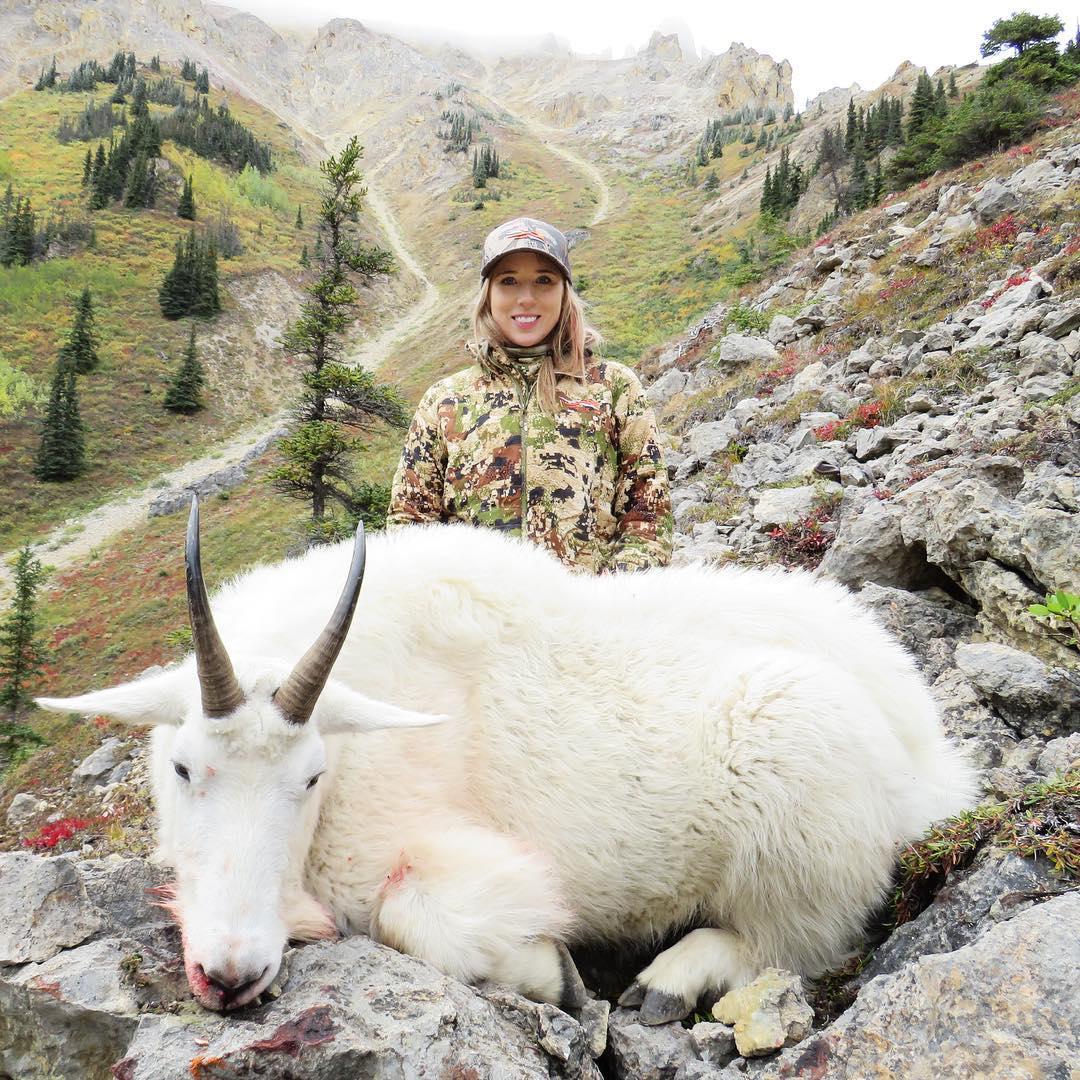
(828, 43)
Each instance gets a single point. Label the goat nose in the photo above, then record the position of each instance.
(231, 985)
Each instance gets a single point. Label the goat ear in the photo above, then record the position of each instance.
(340, 709)
(155, 699)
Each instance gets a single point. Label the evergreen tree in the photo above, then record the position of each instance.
(922, 106)
(1020, 31)
(940, 105)
(202, 83)
(62, 452)
(858, 192)
(155, 64)
(299, 218)
(852, 127)
(191, 285)
(80, 349)
(22, 655)
(184, 394)
(305, 261)
(186, 207)
(47, 79)
(18, 228)
(953, 89)
(137, 183)
(88, 167)
(318, 453)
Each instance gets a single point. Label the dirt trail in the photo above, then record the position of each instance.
(372, 353)
(76, 538)
(549, 137)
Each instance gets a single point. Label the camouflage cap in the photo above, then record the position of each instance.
(526, 234)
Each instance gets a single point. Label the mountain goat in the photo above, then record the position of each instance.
(511, 757)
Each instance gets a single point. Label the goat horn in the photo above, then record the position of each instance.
(297, 695)
(221, 693)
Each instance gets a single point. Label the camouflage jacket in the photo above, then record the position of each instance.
(588, 482)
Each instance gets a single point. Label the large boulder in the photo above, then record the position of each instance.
(93, 988)
(997, 1009)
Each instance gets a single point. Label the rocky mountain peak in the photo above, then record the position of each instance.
(663, 47)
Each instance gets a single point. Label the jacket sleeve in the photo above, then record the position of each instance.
(644, 531)
(416, 494)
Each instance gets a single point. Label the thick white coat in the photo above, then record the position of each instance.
(622, 756)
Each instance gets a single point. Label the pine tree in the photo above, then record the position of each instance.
(852, 127)
(136, 183)
(88, 167)
(336, 397)
(953, 89)
(62, 452)
(80, 349)
(186, 207)
(184, 394)
(305, 261)
(922, 105)
(22, 655)
(299, 218)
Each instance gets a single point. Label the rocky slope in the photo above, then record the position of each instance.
(898, 409)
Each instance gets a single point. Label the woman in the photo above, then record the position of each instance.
(539, 438)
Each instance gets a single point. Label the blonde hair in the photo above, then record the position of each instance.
(570, 340)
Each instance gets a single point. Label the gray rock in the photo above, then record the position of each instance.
(782, 330)
(645, 1051)
(955, 225)
(993, 200)
(1061, 320)
(705, 441)
(997, 1009)
(45, 907)
(995, 887)
(875, 442)
(896, 210)
(870, 547)
(1059, 756)
(743, 349)
(24, 808)
(1036, 698)
(918, 619)
(781, 506)
(102, 761)
(931, 256)
(70, 1017)
(666, 387)
(348, 1006)
(714, 1043)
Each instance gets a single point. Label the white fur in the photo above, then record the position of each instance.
(624, 755)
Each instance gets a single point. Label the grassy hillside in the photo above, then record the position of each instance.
(129, 436)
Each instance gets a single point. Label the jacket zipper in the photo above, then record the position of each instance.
(524, 392)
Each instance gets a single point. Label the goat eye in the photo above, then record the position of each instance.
(181, 771)
(314, 780)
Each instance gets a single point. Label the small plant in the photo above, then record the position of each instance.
(1061, 611)
(743, 317)
(804, 542)
(48, 836)
(867, 415)
(897, 285)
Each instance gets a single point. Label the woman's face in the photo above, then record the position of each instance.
(526, 297)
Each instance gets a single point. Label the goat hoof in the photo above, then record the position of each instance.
(661, 1008)
(632, 996)
(573, 996)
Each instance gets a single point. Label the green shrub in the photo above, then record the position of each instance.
(742, 317)
(998, 115)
